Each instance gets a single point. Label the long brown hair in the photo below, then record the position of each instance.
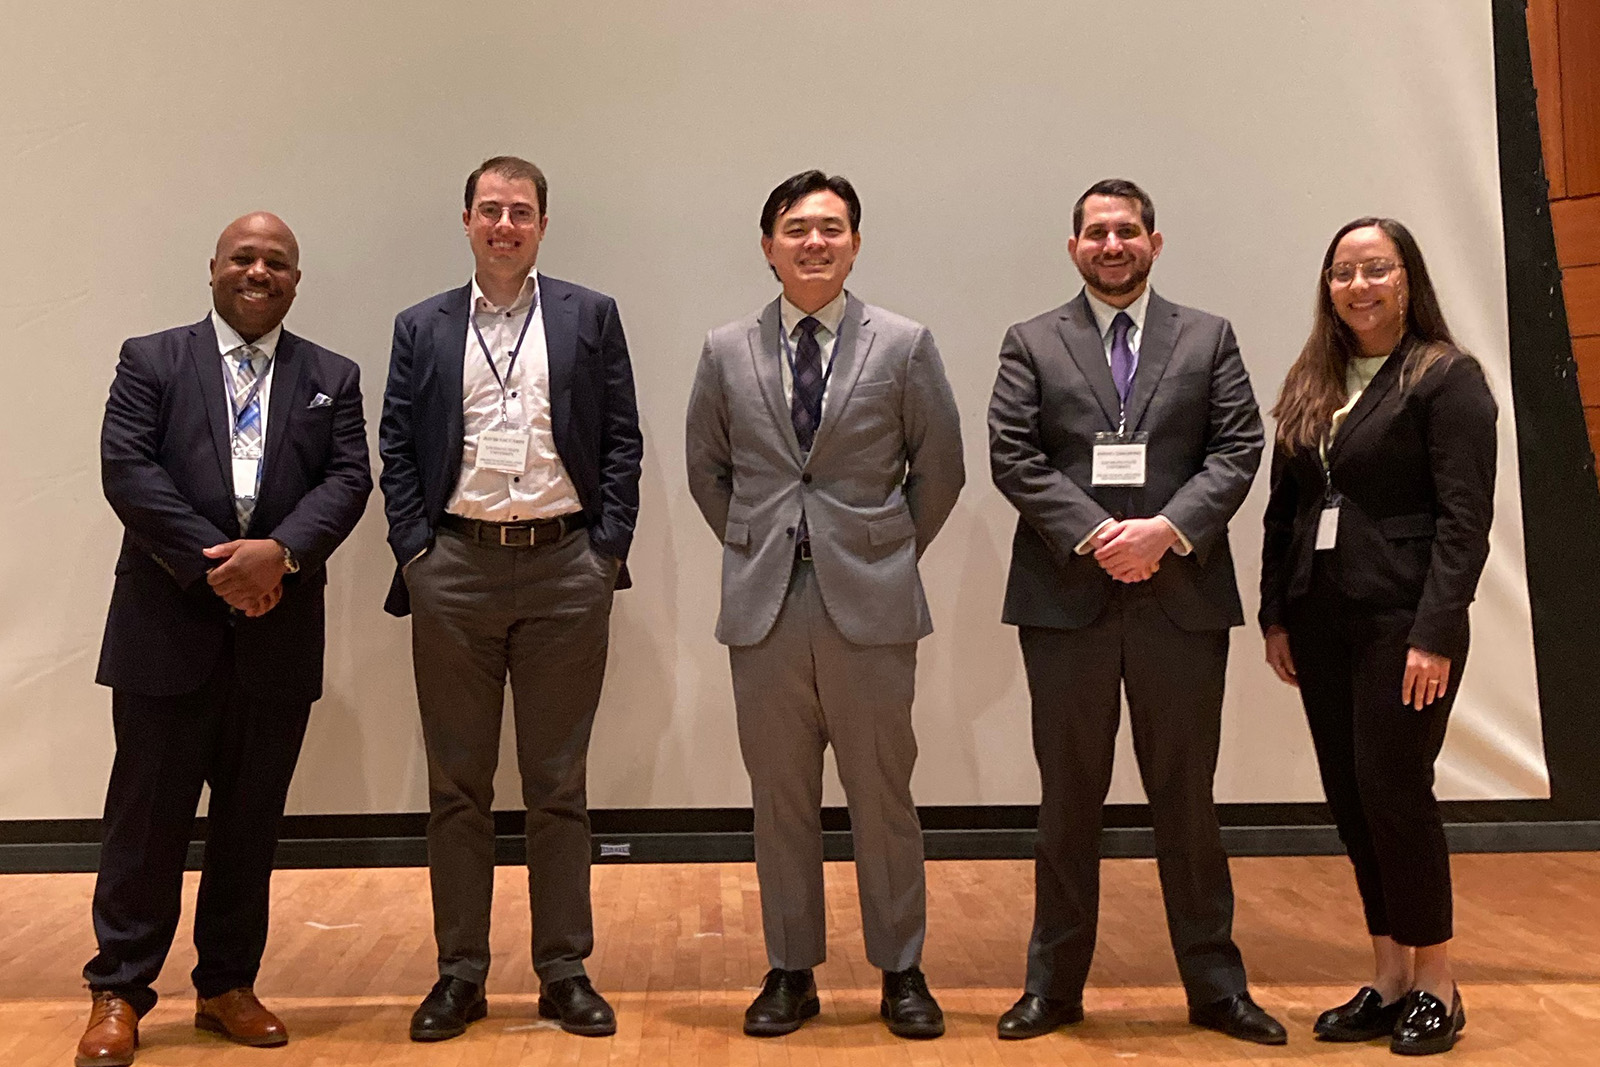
(1315, 386)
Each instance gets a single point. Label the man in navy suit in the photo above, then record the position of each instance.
(511, 454)
(235, 454)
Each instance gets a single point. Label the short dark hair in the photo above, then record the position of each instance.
(513, 167)
(791, 191)
(1122, 189)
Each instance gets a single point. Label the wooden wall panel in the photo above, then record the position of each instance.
(1544, 42)
(1577, 226)
(1586, 350)
(1582, 285)
(1578, 27)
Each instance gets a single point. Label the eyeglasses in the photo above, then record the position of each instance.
(1373, 270)
(521, 214)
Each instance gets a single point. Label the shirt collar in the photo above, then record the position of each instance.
(1104, 312)
(228, 339)
(524, 300)
(829, 315)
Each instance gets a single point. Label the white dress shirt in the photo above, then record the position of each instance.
(829, 315)
(1104, 315)
(544, 490)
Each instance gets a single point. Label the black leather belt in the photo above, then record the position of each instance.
(515, 534)
(802, 550)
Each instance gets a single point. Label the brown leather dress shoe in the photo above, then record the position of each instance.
(238, 1016)
(112, 1033)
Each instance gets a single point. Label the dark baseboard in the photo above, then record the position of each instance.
(737, 846)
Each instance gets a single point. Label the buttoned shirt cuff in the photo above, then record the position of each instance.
(1183, 547)
(1086, 545)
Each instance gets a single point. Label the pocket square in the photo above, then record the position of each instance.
(321, 400)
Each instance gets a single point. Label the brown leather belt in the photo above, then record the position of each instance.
(515, 534)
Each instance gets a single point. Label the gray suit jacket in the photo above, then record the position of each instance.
(1190, 394)
(881, 477)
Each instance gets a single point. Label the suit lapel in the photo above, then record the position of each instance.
(561, 350)
(849, 356)
(1081, 336)
(766, 349)
(288, 371)
(1159, 339)
(1387, 378)
(449, 350)
(206, 361)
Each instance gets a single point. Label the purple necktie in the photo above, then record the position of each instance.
(1123, 361)
(805, 406)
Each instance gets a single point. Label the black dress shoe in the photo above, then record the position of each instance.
(450, 1005)
(787, 999)
(1427, 1026)
(908, 1007)
(1035, 1016)
(579, 1008)
(1361, 1018)
(1239, 1016)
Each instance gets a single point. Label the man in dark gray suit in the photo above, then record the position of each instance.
(1124, 430)
(824, 449)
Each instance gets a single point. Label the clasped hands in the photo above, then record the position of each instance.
(250, 576)
(1130, 550)
(1426, 679)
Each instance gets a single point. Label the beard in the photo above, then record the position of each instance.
(1097, 280)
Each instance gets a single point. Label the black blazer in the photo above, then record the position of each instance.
(593, 415)
(1190, 394)
(166, 465)
(1416, 471)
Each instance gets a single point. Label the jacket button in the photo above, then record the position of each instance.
(806, 478)
(789, 531)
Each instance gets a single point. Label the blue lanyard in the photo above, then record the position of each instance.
(788, 352)
(512, 363)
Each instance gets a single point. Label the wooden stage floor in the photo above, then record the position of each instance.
(679, 955)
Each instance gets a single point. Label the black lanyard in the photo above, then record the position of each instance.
(512, 362)
(788, 352)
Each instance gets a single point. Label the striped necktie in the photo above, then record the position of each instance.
(245, 364)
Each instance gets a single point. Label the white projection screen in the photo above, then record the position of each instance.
(133, 133)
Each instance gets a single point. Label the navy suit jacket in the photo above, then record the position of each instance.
(593, 416)
(1054, 393)
(166, 465)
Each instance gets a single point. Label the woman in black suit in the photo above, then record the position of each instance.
(1376, 531)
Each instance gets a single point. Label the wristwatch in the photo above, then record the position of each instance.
(290, 564)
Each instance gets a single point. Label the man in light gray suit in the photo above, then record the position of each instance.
(824, 449)
(1124, 430)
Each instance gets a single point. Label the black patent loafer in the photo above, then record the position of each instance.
(908, 1007)
(450, 1005)
(1035, 1016)
(1361, 1018)
(1426, 1026)
(787, 999)
(1240, 1017)
(574, 1003)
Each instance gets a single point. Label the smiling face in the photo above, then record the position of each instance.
(254, 274)
(505, 227)
(812, 248)
(1373, 307)
(1113, 250)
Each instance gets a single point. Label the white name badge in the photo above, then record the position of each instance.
(246, 470)
(1118, 464)
(505, 451)
(1327, 529)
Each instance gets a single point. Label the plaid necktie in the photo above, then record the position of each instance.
(805, 406)
(1123, 361)
(246, 368)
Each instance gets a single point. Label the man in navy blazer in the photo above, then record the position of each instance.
(511, 455)
(235, 454)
